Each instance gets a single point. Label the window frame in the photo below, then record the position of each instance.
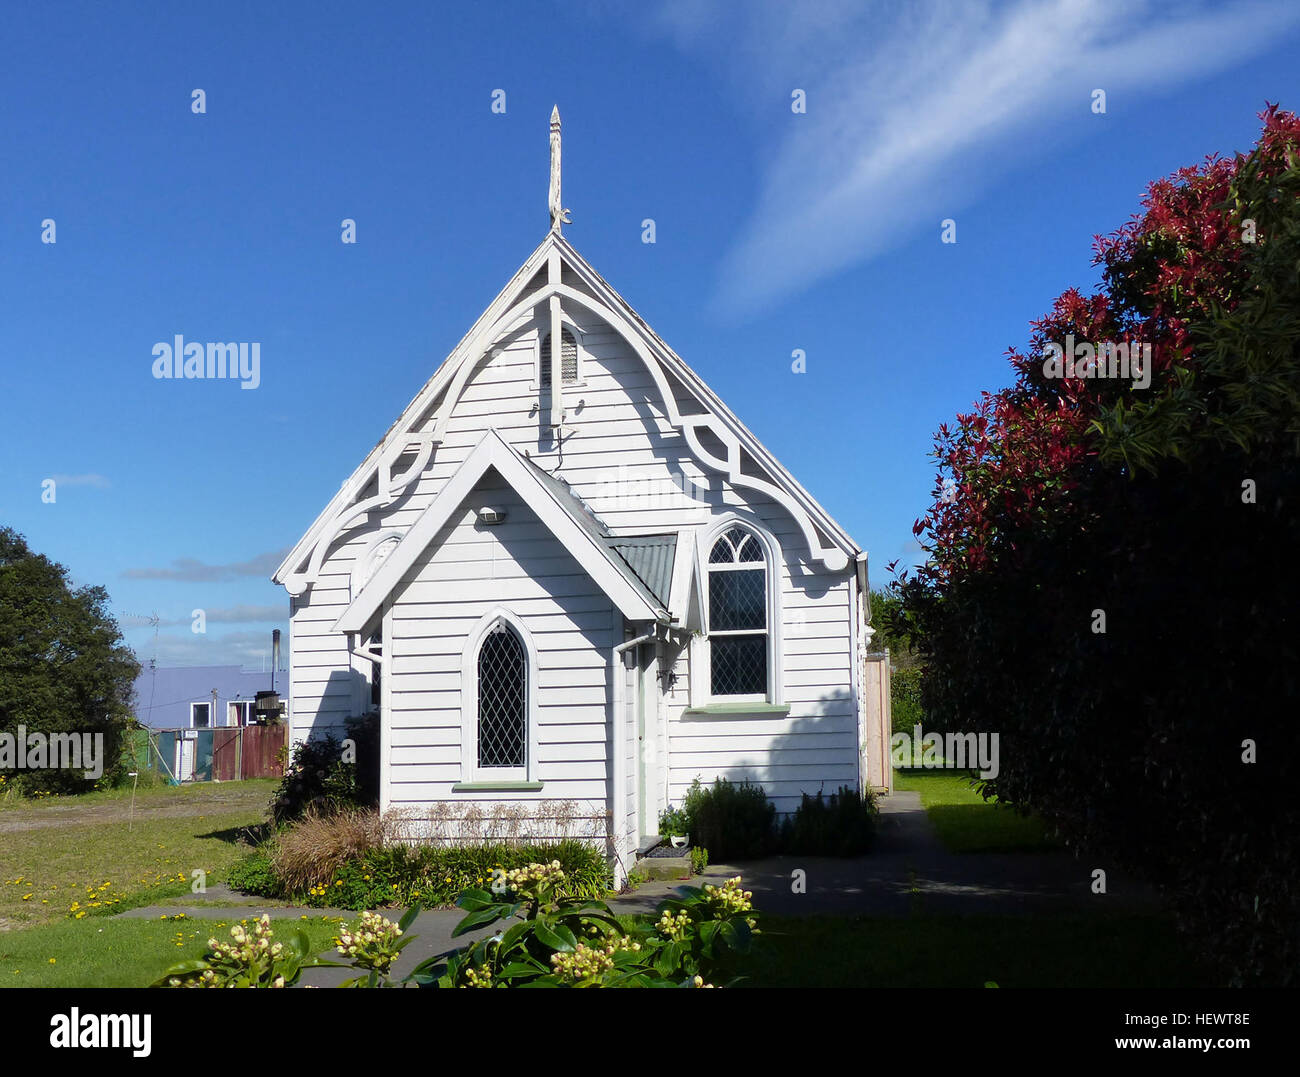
(201, 703)
(701, 694)
(244, 705)
(470, 769)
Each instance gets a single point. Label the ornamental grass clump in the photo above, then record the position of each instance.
(310, 853)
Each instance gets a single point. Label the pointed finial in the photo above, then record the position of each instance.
(559, 215)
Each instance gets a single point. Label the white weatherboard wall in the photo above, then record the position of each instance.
(468, 571)
(815, 747)
(637, 473)
(621, 456)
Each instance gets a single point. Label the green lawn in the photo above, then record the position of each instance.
(103, 861)
(121, 952)
(148, 795)
(965, 821)
(823, 951)
(968, 951)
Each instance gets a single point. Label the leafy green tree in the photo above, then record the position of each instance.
(64, 667)
(1111, 582)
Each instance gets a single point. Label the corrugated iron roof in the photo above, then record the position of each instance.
(651, 557)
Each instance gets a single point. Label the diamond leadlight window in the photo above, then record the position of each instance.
(738, 628)
(502, 699)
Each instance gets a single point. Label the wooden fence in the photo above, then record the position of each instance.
(877, 719)
(248, 752)
(221, 754)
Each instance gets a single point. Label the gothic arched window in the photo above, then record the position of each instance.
(738, 616)
(502, 700)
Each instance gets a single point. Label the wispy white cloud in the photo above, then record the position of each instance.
(190, 569)
(242, 614)
(99, 482)
(188, 649)
(912, 112)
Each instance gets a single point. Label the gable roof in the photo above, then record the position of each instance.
(563, 514)
(511, 306)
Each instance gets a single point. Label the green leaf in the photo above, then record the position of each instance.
(668, 958)
(480, 918)
(556, 937)
(521, 968)
(474, 899)
(409, 917)
(183, 968)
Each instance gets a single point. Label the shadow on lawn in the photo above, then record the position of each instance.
(250, 835)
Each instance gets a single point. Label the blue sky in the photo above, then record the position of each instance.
(775, 230)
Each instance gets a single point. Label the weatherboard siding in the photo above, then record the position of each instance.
(638, 474)
(815, 747)
(467, 572)
(620, 442)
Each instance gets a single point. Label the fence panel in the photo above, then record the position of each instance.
(877, 769)
(224, 754)
(262, 750)
(248, 752)
(227, 749)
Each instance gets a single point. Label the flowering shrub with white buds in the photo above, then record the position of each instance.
(674, 927)
(372, 943)
(729, 897)
(254, 959)
(251, 959)
(591, 962)
(480, 977)
(691, 943)
(533, 882)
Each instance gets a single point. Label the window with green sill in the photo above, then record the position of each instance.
(738, 644)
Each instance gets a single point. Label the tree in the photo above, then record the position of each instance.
(884, 607)
(64, 667)
(1113, 589)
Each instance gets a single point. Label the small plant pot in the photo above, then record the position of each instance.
(678, 843)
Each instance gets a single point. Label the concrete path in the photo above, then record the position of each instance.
(908, 873)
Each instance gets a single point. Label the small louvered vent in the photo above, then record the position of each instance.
(568, 359)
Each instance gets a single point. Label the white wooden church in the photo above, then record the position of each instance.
(572, 581)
